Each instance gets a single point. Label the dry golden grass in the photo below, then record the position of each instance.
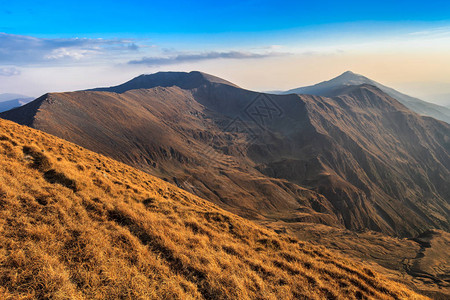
(78, 225)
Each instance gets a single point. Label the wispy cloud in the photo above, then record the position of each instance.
(22, 50)
(432, 32)
(9, 71)
(19, 50)
(195, 57)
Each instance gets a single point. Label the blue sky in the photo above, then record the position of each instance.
(105, 42)
(140, 18)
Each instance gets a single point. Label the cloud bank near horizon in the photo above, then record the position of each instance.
(196, 57)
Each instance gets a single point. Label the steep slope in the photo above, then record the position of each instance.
(333, 86)
(361, 160)
(78, 225)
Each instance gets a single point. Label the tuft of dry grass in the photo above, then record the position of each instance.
(78, 225)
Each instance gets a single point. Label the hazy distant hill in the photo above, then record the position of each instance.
(10, 101)
(9, 96)
(443, 99)
(330, 88)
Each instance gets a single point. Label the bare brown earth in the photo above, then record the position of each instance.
(77, 225)
(357, 161)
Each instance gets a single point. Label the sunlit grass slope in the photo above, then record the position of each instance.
(78, 225)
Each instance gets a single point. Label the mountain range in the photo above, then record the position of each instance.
(360, 160)
(354, 161)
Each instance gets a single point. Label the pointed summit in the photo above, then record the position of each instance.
(348, 73)
(350, 78)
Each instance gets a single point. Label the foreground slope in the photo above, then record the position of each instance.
(77, 225)
(330, 87)
(360, 160)
(421, 262)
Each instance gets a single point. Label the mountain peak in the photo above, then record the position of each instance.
(348, 73)
(184, 80)
(326, 88)
(351, 78)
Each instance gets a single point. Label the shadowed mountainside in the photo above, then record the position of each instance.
(77, 225)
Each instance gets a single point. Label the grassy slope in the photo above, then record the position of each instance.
(425, 267)
(78, 225)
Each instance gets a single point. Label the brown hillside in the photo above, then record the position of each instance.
(77, 225)
(166, 132)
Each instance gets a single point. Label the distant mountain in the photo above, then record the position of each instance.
(334, 86)
(10, 101)
(9, 96)
(360, 160)
(183, 80)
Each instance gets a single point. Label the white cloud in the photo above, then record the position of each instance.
(67, 53)
(26, 50)
(9, 71)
